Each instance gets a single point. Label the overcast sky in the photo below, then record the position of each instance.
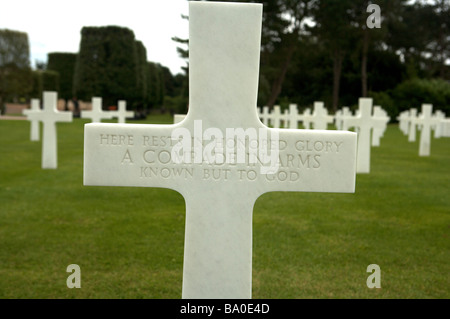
(55, 25)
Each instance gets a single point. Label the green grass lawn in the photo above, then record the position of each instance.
(129, 242)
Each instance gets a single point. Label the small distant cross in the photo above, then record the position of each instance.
(427, 121)
(364, 122)
(320, 117)
(122, 112)
(96, 114)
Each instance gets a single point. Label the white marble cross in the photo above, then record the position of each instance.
(122, 112)
(307, 118)
(285, 118)
(364, 122)
(294, 117)
(320, 117)
(338, 119)
(49, 116)
(96, 114)
(379, 126)
(276, 117)
(445, 127)
(403, 121)
(427, 121)
(412, 123)
(439, 116)
(220, 186)
(34, 131)
(346, 114)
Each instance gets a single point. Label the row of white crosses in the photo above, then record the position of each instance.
(290, 118)
(410, 121)
(50, 115)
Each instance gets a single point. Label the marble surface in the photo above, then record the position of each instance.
(202, 157)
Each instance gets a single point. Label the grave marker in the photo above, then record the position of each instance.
(34, 131)
(49, 116)
(285, 118)
(276, 117)
(320, 117)
(412, 122)
(427, 121)
(307, 118)
(403, 121)
(346, 114)
(380, 126)
(364, 122)
(97, 114)
(439, 116)
(294, 117)
(122, 112)
(224, 45)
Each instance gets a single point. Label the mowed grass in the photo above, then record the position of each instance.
(129, 242)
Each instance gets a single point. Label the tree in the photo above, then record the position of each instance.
(64, 65)
(421, 37)
(44, 80)
(334, 31)
(282, 34)
(140, 101)
(155, 87)
(107, 64)
(15, 71)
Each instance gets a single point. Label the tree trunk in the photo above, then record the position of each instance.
(337, 70)
(278, 83)
(365, 49)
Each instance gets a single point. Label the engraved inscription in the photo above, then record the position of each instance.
(152, 154)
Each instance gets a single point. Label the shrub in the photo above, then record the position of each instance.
(413, 93)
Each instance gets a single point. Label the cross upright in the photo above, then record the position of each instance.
(427, 121)
(122, 112)
(285, 118)
(224, 47)
(439, 116)
(96, 114)
(49, 116)
(364, 122)
(338, 119)
(307, 118)
(403, 121)
(346, 114)
(320, 117)
(34, 132)
(380, 126)
(412, 123)
(294, 117)
(276, 117)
